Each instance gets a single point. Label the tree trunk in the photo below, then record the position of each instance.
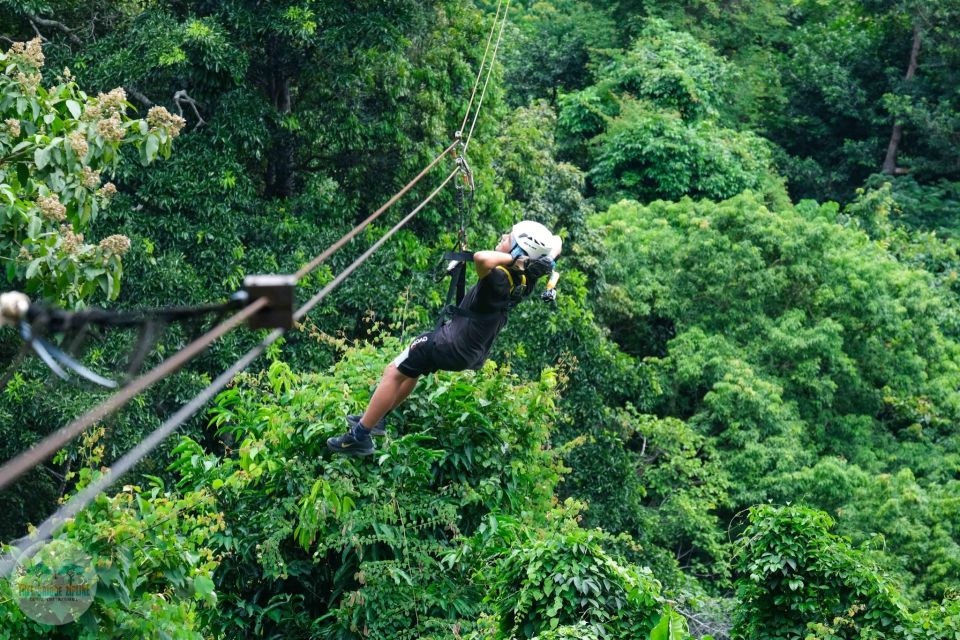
(281, 155)
(890, 162)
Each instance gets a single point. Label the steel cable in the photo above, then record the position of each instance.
(483, 93)
(89, 493)
(16, 467)
(476, 83)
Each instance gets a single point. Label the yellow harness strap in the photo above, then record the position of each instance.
(523, 281)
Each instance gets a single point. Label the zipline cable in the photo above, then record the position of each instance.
(78, 502)
(503, 24)
(476, 83)
(366, 254)
(34, 456)
(13, 469)
(347, 237)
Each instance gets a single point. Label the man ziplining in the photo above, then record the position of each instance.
(507, 275)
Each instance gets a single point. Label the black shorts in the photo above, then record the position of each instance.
(423, 357)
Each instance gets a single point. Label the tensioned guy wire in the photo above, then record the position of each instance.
(16, 467)
(347, 237)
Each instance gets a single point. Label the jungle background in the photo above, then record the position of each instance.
(739, 420)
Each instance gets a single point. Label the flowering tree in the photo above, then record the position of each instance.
(55, 144)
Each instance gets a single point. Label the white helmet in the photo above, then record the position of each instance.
(532, 239)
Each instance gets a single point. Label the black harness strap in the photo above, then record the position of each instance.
(457, 270)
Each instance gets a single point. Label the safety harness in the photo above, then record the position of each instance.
(458, 286)
(456, 261)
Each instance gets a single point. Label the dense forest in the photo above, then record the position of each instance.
(737, 421)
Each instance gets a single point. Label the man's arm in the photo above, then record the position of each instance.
(550, 295)
(487, 261)
(555, 253)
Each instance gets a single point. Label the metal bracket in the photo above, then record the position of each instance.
(280, 292)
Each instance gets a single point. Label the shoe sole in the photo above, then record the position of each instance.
(350, 452)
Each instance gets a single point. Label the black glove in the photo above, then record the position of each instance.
(540, 267)
(550, 295)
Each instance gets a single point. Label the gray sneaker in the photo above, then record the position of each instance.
(355, 442)
(379, 429)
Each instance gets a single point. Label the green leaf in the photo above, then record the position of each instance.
(41, 157)
(662, 630)
(151, 147)
(203, 586)
(75, 110)
(33, 227)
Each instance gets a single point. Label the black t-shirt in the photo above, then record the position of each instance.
(464, 343)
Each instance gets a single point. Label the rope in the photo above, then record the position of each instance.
(34, 456)
(476, 83)
(16, 467)
(83, 498)
(13, 469)
(483, 93)
(366, 254)
(313, 264)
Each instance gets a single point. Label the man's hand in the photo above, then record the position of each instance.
(550, 295)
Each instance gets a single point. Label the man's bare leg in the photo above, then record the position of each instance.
(408, 385)
(393, 389)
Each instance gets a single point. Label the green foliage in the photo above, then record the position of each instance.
(791, 338)
(151, 550)
(846, 89)
(923, 206)
(551, 48)
(652, 128)
(565, 577)
(659, 481)
(367, 538)
(649, 153)
(907, 525)
(54, 145)
(702, 357)
(802, 581)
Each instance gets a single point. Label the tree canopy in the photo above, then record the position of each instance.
(737, 420)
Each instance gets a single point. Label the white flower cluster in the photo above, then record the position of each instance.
(111, 128)
(78, 142)
(51, 208)
(107, 191)
(107, 104)
(29, 82)
(30, 53)
(159, 117)
(91, 178)
(116, 244)
(71, 241)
